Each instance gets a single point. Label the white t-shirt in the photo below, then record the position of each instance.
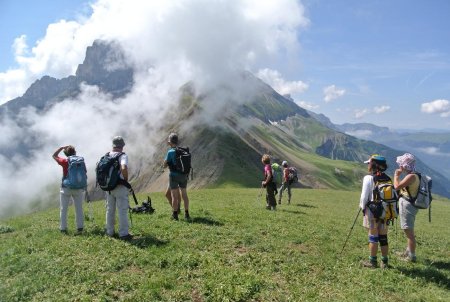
(367, 191)
(123, 160)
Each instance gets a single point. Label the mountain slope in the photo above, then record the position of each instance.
(248, 120)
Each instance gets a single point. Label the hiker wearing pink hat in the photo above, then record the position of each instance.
(409, 184)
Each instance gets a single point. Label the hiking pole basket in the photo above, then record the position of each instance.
(348, 236)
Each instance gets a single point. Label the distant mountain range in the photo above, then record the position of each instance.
(432, 146)
(228, 151)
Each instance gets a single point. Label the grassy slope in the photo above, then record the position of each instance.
(233, 250)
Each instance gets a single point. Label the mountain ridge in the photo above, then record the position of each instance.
(227, 152)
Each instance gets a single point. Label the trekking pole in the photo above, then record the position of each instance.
(90, 212)
(348, 236)
(258, 198)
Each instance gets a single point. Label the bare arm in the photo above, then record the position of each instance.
(124, 170)
(405, 182)
(55, 155)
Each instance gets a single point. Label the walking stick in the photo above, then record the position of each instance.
(258, 198)
(348, 236)
(90, 211)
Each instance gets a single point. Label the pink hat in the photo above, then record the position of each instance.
(407, 161)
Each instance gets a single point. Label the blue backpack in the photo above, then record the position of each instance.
(76, 174)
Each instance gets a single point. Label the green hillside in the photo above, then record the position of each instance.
(232, 250)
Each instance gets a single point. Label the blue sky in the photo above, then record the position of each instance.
(382, 62)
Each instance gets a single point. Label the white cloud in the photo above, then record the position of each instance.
(276, 80)
(381, 109)
(169, 43)
(441, 107)
(360, 113)
(364, 134)
(307, 105)
(213, 36)
(332, 92)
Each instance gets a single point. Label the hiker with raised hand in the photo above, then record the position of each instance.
(118, 197)
(408, 187)
(286, 182)
(177, 180)
(72, 186)
(268, 183)
(377, 228)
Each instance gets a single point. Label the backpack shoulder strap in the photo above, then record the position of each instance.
(411, 198)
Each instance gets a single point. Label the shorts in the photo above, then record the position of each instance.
(370, 222)
(178, 181)
(408, 214)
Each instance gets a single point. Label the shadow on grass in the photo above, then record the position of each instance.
(439, 264)
(304, 205)
(146, 241)
(206, 220)
(290, 211)
(429, 275)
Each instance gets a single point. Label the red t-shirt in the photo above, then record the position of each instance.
(267, 171)
(64, 163)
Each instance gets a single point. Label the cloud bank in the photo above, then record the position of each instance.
(167, 42)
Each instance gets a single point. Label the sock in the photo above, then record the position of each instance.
(373, 259)
(385, 259)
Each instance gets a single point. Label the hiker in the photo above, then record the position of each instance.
(377, 228)
(66, 192)
(118, 197)
(408, 185)
(286, 182)
(268, 183)
(177, 180)
(168, 195)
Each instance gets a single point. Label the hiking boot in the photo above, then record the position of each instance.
(409, 258)
(127, 237)
(186, 215)
(369, 264)
(64, 232)
(174, 216)
(405, 256)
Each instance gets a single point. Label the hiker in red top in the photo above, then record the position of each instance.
(66, 193)
(268, 183)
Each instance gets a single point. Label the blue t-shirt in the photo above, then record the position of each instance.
(171, 160)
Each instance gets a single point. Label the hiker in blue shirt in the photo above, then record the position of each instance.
(177, 181)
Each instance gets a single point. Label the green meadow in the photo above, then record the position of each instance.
(231, 250)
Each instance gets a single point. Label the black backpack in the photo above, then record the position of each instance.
(108, 171)
(183, 160)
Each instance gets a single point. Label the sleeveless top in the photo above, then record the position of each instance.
(413, 188)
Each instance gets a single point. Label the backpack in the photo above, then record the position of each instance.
(423, 198)
(183, 160)
(76, 174)
(108, 171)
(384, 203)
(292, 175)
(277, 173)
